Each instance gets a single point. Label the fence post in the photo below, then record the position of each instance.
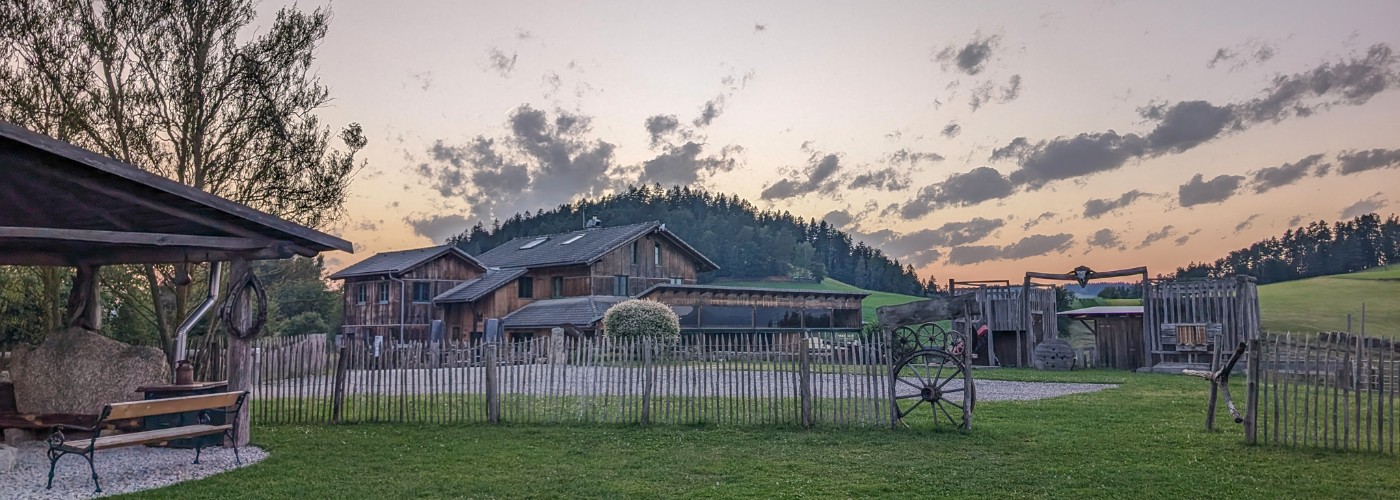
(493, 398)
(888, 350)
(1251, 405)
(342, 367)
(804, 381)
(648, 380)
(968, 389)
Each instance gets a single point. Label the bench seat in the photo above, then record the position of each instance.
(145, 437)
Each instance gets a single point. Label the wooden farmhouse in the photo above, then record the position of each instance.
(569, 280)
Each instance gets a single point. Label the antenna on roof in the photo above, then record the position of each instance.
(593, 223)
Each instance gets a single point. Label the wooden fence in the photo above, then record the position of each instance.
(1324, 390)
(733, 379)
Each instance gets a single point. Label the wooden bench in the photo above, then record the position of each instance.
(229, 403)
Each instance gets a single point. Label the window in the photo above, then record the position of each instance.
(726, 317)
(677, 281)
(421, 292)
(634, 252)
(556, 287)
(620, 286)
(361, 293)
(384, 292)
(571, 240)
(656, 254)
(534, 243)
(525, 288)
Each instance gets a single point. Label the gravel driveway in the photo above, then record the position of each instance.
(121, 470)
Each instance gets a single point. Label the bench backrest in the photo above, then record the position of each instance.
(136, 409)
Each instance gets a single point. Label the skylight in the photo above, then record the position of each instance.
(533, 243)
(571, 240)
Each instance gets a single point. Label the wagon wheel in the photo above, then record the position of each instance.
(924, 336)
(932, 379)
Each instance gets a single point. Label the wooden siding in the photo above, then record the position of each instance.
(401, 311)
(1229, 306)
(845, 310)
(674, 264)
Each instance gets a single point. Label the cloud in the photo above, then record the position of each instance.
(951, 130)
(684, 164)
(438, 228)
(1360, 161)
(1198, 192)
(1253, 51)
(1268, 178)
(1106, 238)
(1037, 220)
(1153, 237)
(1064, 158)
(987, 93)
(658, 126)
(978, 185)
(969, 58)
(886, 179)
(1349, 82)
(1180, 241)
(759, 28)
(1296, 219)
(1370, 204)
(899, 158)
(812, 178)
(921, 247)
(1247, 223)
(1095, 208)
(1187, 124)
(839, 218)
(1029, 246)
(500, 62)
(710, 111)
(1012, 90)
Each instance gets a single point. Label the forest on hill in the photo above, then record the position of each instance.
(1317, 249)
(746, 242)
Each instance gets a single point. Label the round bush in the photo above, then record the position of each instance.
(636, 319)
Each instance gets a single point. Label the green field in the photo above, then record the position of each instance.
(1322, 303)
(1142, 440)
(867, 310)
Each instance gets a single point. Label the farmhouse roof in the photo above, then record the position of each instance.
(1103, 311)
(401, 261)
(580, 311)
(584, 246)
(61, 204)
(752, 290)
(475, 289)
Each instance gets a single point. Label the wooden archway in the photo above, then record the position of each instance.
(1081, 275)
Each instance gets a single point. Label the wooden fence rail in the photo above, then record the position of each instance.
(1327, 390)
(733, 379)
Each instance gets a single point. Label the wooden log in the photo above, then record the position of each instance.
(240, 353)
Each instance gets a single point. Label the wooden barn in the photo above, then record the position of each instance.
(1013, 328)
(782, 314)
(1118, 339)
(390, 294)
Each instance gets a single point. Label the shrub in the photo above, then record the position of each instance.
(636, 319)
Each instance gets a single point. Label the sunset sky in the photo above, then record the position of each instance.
(975, 140)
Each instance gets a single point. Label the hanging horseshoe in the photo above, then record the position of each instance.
(237, 289)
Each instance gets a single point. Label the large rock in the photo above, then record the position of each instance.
(76, 371)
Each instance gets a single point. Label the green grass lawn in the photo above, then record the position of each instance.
(1141, 440)
(867, 307)
(1322, 303)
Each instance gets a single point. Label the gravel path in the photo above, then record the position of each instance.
(121, 470)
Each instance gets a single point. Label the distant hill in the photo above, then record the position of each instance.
(746, 242)
(867, 306)
(1322, 303)
(1317, 249)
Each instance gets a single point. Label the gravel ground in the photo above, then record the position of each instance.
(121, 470)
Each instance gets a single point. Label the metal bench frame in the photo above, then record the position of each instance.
(204, 417)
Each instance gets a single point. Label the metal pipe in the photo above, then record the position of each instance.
(181, 333)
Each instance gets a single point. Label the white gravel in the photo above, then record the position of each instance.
(121, 470)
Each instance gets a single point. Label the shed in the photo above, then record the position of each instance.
(1117, 334)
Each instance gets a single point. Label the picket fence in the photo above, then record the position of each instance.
(729, 379)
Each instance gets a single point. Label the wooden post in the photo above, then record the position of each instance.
(342, 368)
(804, 381)
(968, 389)
(649, 378)
(1251, 405)
(1214, 389)
(493, 397)
(888, 350)
(240, 351)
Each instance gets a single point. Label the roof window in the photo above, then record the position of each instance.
(571, 240)
(534, 243)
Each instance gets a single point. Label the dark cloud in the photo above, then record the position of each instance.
(812, 178)
(658, 126)
(500, 62)
(951, 130)
(1370, 204)
(1198, 191)
(710, 111)
(1253, 51)
(1012, 90)
(972, 57)
(1296, 219)
(913, 158)
(1095, 208)
(978, 185)
(987, 93)
(886, 179)
(1360, 161)
(1348, 82)
(1153, 237)
(1269, 178)
(839, 218)
(759, 28)
(1181, 240)
(1029, 246)
(1247, 223)
(922, 247)
(438, 228)
(1187, 124)
(1106, 238)
(1046, 216)
(684, 164)
(1064, 158)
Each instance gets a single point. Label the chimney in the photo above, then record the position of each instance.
(593, 223)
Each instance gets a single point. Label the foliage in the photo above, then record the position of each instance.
(746, 242)
(636, 319)
(1073, 446)
(298, 296)
(21, 317)
(1121, 292)
(190, 91)
(1317, 249)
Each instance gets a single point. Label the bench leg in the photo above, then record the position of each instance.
(53, 462)
(93, 467)
(197, 449)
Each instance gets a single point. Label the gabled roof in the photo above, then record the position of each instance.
(579, 311)
(401, 261)
(584, 246)
(1103, 311)
(473, 290)
(752, 290)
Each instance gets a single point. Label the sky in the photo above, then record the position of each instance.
(974, 140)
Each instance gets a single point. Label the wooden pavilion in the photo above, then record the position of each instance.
(61, 205)
(1117, 330)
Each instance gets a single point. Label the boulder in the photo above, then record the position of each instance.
(76, 371)
(16, 437)
(8, 456)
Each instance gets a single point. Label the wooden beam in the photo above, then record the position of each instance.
(154, 255)
(130, 238)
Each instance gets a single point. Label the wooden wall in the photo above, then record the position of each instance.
(674, 263)
(1229, 306)
(401, 311)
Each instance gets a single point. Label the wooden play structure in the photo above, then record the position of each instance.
(1006, 310)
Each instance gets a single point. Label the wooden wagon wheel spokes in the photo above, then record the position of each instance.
(923, 377)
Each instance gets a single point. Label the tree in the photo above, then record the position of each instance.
(187, 90)
(637, 319)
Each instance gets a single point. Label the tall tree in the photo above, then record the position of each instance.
(191, 90)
